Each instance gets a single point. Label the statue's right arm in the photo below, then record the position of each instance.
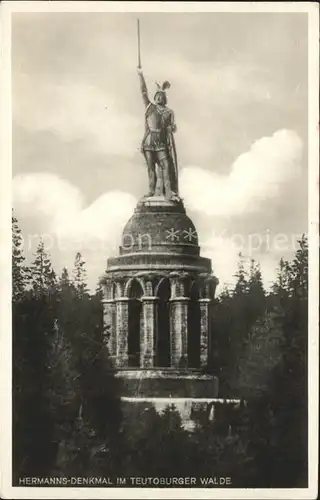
(143, 88)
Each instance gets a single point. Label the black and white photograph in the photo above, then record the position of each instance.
(159, 249)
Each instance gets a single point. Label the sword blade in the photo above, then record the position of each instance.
(139, 54)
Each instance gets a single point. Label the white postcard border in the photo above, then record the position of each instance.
(8, 7)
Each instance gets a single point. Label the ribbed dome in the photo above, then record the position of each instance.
(160, 226)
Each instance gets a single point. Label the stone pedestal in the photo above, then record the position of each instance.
(161, 270)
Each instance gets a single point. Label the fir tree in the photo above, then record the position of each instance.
(225, 294)
(79, 356)
(63, 393)
(19, 274)
(33, 330)
(241, 286)
(256, 294)
(298, 278)
(64, 280)
(278, 417)
(80, 276)
(255, 284)
(261, 353)
(291, 388)
(43, 277)
(280, 289)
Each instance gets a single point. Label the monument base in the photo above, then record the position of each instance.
(190, 391)
(168, 383)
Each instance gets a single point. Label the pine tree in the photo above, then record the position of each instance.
(241, 286)
(225, 294)
(65, 287)
(221, 343)
(298, 279)
(261, 353)
(64, 280)
(280, 289)
(255, 278)
(33, 328)
(64, 395)
(230, 327)
(240, 320)
(99, 290)
(43, 277)
(234, 318)
(80, 276)
(89, 396)
(285, 463)
(256, 294)
(292, 386)
(33, 331)
(19, 274)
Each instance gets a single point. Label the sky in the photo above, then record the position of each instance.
(239, 93)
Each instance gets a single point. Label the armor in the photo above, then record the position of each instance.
(157, 121)
(158, 145)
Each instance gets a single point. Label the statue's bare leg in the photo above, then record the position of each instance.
(151, 171)
(159, 184)
(166, 178)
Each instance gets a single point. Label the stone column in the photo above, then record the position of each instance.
(205, 333)
(122, 311)
(110, 325)
(179, 332)
(147, 350)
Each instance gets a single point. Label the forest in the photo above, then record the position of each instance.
(67, 415)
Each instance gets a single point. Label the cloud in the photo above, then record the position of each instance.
(59, 208)
(67, 225)
(47, 196)
(255, 177)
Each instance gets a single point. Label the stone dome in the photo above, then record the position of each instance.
(159, 238)
(159, 226)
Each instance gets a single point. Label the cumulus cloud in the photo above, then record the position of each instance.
(60, 208)
(60, 216)
(255, 176)
(46, 196)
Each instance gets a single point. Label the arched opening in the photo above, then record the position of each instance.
(162, 340)
(134, 323)
(194, 318)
